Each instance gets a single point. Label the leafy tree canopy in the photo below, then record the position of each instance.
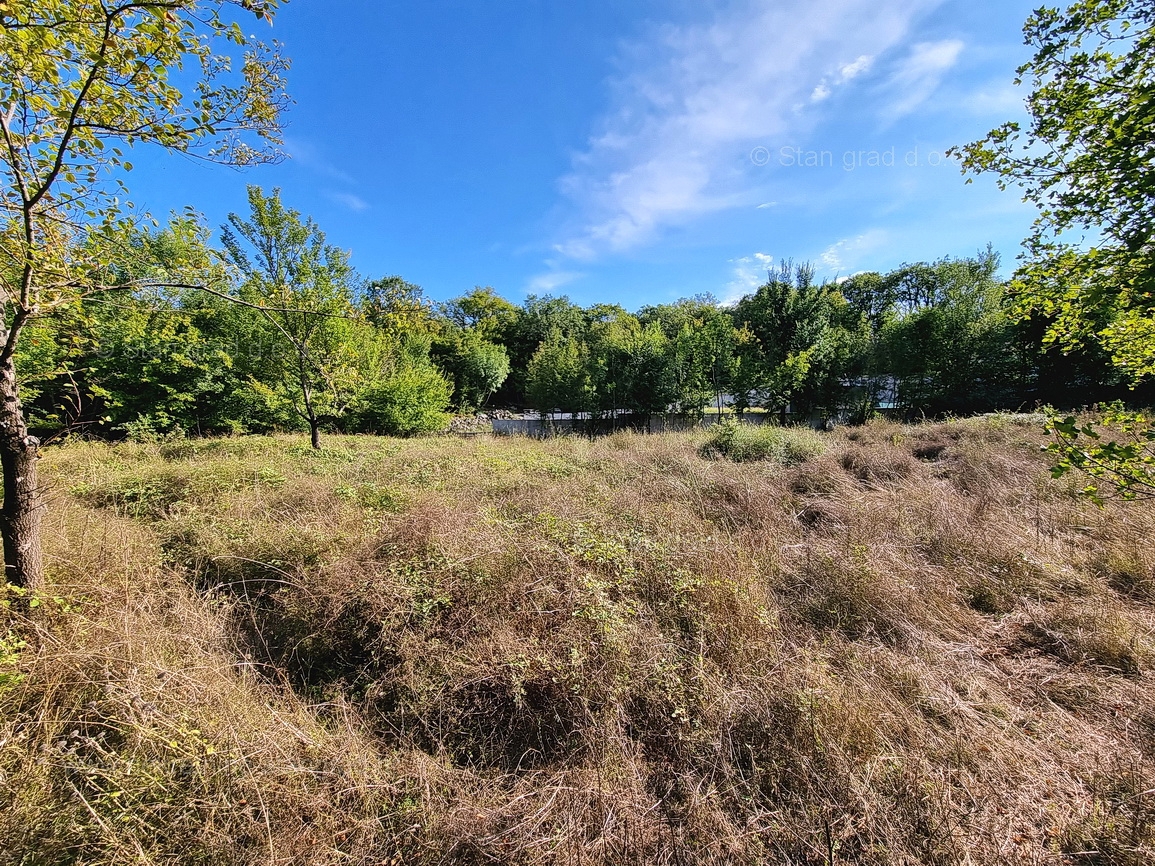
(1085, 159)
(79, 81)
(303, 287)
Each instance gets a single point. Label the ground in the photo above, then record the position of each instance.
(911, 647)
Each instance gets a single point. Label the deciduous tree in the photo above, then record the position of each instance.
(302, 285)
(80, 80)
(1085, 159)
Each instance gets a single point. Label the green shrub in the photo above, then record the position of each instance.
(158, 427)
(746, 442)
(11, 645)
(411, 401)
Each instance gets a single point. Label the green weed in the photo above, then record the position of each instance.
(747, 442)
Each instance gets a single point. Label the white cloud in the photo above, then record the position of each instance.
(999, 101)
(918, 76)
(852, 70)
(846, 73)
(750, 272)
(847, 253)
(551, 281)
(694, 99)
(306, 154)
(349, 200)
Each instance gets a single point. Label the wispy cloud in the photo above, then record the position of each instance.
(551, 281)
(847, 253)
(750, 272)
(349, 200)
(845, 73)
(307, 155)
(855, 69)
(998, 100)
(694, 99)
(919, 74)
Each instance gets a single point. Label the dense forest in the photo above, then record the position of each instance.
(266, 326)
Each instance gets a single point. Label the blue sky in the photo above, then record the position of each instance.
(634, 151)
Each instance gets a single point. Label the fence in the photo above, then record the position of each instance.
(544, 428)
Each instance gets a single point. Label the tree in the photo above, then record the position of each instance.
(558, 375)
(482, 310)
(1085, 160)
(628, 364)
(480, 367)
(302, 286)
(155, 371)
(145, 358)
(397, 306)
(703, 350)
(871, 295)
(790, 318)
(538, 318)
(80, 79)
(409, 398)
(955, 349)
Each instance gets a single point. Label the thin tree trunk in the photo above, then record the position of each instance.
(21, 513)
(310, 412)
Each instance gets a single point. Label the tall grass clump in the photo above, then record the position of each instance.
(748, 442)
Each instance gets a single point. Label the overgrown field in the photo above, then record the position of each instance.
(911, 647)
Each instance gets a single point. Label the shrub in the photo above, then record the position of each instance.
(411, 401)
(745, 442)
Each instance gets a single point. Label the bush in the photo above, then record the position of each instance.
(745, 442)
(411, 401)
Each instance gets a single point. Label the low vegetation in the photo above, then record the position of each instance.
(742, 442)
(911, 647)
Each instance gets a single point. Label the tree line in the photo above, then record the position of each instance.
(266, 326)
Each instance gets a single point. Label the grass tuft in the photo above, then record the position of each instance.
(747, 442)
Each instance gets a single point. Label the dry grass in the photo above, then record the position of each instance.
(913, 648)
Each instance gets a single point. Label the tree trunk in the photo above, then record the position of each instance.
(21, 513)
(310, 413)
